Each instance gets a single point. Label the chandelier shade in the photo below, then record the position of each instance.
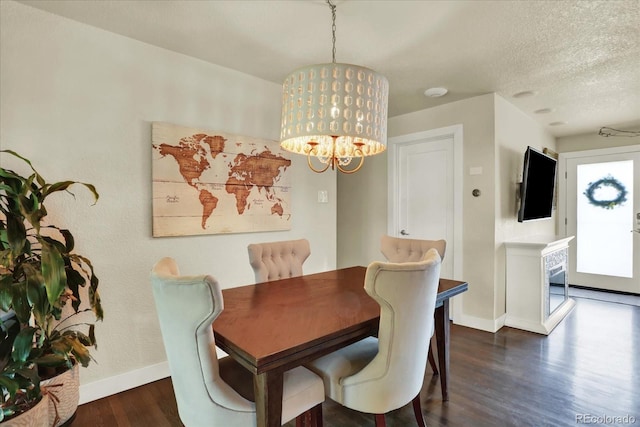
(334, 112)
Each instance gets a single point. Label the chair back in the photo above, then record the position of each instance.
(278, 260)
(187, 307)
(397, 249)
(406, 293)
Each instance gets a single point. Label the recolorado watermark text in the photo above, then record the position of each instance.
(606, 419)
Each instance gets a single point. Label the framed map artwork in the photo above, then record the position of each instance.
(210, 182)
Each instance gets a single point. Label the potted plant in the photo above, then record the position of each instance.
(19, 379)
(44, 283)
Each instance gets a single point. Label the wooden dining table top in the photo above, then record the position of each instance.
(267, 325)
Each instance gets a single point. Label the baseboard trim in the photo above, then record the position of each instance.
(489, 325)
(122, 382)
(526, 325)
(609, 291)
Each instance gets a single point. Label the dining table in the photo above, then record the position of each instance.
(275, 326)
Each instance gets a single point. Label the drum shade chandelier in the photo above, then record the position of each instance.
(334, 113)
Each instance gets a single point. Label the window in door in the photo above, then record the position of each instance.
(604, 218)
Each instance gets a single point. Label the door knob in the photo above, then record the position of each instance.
(404, 233)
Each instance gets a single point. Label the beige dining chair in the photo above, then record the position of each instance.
(378, 375)
(278, 260)
(397, 249)
(211, 391)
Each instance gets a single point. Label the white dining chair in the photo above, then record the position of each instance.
(204, 386)
(398, 249)
(278, 260)
(378, 375)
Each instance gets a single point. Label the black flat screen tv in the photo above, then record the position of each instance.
(538, 184)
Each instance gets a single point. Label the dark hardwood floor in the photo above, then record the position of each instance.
(587, 369)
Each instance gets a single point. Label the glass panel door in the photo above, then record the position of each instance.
(599, 201)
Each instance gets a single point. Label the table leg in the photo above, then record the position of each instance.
(442, 340)
(268, 393)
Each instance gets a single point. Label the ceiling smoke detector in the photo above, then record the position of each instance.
(435, 92)
(525, 94)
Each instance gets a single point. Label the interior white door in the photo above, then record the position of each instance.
(423, 194)
(602, 210)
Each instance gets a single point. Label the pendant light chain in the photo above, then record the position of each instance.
(333, 28)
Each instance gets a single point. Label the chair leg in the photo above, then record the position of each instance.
(417, 410)
(316, 415)
(380, 422)
(310, 418)
(432, 360)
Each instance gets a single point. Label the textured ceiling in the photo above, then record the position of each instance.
(579, 58)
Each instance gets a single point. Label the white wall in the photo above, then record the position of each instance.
(495, 136)
(593, 141)
(514, 132)
(79, 102)
(362, 201)
(477, 118)
(362, 212)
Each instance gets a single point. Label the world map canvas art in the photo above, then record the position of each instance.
(210, 182)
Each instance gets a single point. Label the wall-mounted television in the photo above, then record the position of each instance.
(538, 184)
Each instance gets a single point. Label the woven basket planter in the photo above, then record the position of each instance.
(64, 393)
(38, 416)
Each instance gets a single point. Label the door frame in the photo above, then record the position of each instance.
(562, 224)
(454, 132)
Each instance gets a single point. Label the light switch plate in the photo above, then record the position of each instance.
(323, 196)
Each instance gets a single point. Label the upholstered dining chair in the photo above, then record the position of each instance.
(212, 392)
(278, 260)
(397, 249)
(378, 375)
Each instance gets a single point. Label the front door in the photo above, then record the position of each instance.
(424, 191)
(602, 210)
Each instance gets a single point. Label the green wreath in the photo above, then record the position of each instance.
(607, 181)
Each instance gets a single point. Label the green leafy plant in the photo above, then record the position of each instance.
(41, 280)
(19, 379)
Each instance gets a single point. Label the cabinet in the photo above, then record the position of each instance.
(537, 284)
